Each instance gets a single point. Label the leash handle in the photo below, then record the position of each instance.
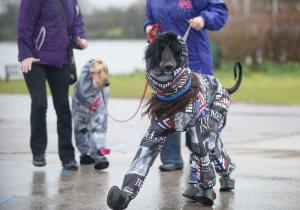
(134, 114)
(186, 34)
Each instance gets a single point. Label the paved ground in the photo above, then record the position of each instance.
(263, 140)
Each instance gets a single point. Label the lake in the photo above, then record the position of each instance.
(122, 56)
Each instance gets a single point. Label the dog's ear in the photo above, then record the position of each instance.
(100, 65)
(98, 60)
(97, 66)
(104, 67)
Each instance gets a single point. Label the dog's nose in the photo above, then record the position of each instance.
(106, 83)
(168, 68)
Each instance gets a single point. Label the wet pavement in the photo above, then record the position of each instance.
(263, 140)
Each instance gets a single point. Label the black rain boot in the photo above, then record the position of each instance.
(101, 161)
(86, 159)
(226, 183)
(206, 196)
(39, 160)
(117, 199)
(191, 192)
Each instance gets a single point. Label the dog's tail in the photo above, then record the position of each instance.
(238, 74)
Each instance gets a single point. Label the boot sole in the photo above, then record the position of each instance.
(227, 184)
(190, 193)
(189, 196)
(113, 197)
(101, 165)
(38, 164)
(170, 169)
(71, 167)
(205, 200)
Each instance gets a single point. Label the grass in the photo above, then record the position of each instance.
(274, 84)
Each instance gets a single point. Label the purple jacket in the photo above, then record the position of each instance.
(42, 33)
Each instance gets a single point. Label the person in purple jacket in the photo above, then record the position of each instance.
(43, 52)
(177, 15)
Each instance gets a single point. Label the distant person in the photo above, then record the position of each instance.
(43, 43)
(177, 15)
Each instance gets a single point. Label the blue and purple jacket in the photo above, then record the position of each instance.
(175, 14)
(42, 32)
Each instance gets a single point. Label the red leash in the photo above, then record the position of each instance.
(135, 113)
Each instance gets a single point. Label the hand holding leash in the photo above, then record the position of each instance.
(197, 23)
(82, 43)
(152, 31)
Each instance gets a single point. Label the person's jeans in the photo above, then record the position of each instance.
(171, 152)
(58, 79)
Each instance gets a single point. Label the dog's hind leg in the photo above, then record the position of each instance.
(202, 175)
(223, 166)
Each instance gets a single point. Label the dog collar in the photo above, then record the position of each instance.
(184, 90)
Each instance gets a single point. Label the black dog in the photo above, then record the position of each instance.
(182, 101)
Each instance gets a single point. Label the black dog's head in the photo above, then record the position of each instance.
(169, 76)
(165, 54)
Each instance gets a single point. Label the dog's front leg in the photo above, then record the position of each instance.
(149, 149)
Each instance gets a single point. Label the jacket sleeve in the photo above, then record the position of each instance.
(78, 25)
(149, 17)
(28, 16)
(215, 15)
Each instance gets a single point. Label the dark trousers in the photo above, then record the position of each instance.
(171, 152)
(58, 80)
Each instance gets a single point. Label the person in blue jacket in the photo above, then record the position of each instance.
(178, 15)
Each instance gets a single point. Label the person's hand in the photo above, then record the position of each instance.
(82, 43)
(26, 64)
(197, 23)
(148, 29)
(152, 31)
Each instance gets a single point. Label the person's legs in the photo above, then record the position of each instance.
(171, 153)
(36, 84)
(58, 79)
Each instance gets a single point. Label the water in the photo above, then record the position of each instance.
(122, 56)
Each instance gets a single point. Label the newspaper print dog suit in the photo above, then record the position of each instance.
(204, 118)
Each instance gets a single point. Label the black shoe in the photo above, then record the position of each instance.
(39, 160)
(171, 167)
(70, 165)
(226, 184)
(86, 159)
(206, 196)
(101, 162)
(117, 199)
(191, 192)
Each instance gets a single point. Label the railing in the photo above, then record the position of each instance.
(12, 71)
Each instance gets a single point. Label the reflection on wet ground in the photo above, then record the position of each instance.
(259, 183)
(267, 156)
